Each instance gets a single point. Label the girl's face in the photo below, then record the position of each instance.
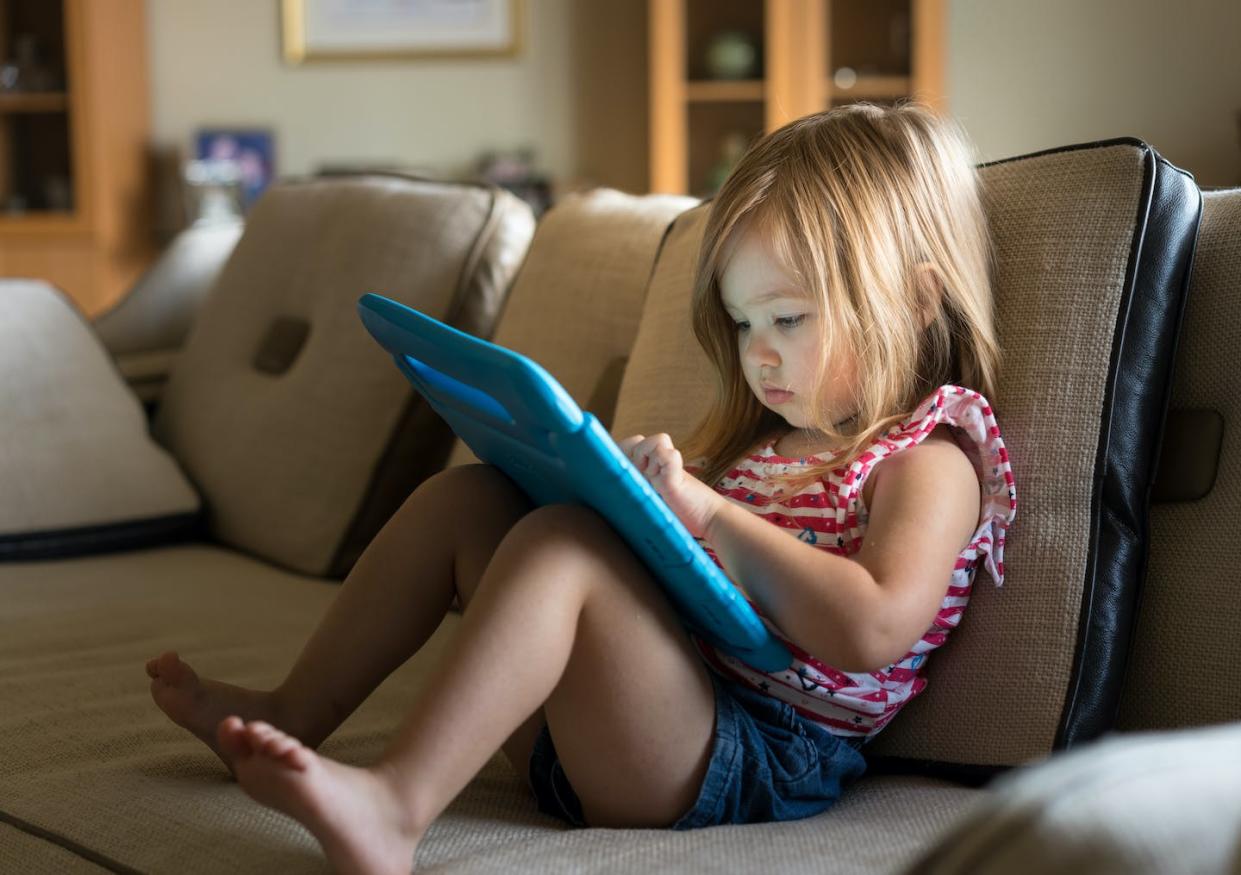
(777, 339)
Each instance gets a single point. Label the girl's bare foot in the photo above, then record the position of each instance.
(356, 814)
(200, 704)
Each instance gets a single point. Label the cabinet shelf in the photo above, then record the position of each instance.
(873, 88)
(74, 181)
(707, 90)
(699, 125)
(48, 101)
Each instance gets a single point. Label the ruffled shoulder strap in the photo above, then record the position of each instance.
(978, 434)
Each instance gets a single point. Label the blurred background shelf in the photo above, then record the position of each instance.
(52, 101)
(723, 72)
(75, 197)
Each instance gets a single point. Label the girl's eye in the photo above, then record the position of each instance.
(742, 326)
(790, 321)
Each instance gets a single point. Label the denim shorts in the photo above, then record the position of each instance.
(767, 763)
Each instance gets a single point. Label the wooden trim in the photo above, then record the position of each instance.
(874, 87)
(706, 90)
(79, 86)
(815, 50)
(669, 133)
(930, 45)
(782, 69)
(51, 101)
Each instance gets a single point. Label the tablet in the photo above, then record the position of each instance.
(515, 416)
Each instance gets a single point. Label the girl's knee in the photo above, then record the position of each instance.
(566, 527)
(481, 488)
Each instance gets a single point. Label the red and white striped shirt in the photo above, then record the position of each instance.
(831, 514)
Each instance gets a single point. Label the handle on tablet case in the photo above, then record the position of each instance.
(416, 343)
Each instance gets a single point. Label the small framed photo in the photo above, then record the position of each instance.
(246, 155)
(316, 30)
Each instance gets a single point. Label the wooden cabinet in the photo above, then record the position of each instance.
(75, 203)
(810, 55)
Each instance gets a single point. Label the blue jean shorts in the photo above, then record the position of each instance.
(767, 763)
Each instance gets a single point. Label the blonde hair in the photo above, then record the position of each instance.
(852, 201)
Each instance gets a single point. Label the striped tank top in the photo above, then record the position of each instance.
(831, 514)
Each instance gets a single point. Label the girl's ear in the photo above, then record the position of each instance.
(930, 289)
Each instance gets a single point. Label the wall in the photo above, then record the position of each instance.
(1021, 76)
(220, 62)
(1030, 75)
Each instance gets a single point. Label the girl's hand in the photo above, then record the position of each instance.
(660, 462)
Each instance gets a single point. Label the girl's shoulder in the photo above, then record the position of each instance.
(955, 416)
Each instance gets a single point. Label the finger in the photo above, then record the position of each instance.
(630, 442)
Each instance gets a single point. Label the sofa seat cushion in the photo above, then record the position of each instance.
(1093, 245)
(90, 761)
(79, 472)
(1142, 804)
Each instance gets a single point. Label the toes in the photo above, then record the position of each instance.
(265, 739)
(232, 738)
(259, 731)
(173, 670)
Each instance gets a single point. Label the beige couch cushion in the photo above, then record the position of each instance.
(78, 469)
(1185, 668)
(575, 305)
(1077, 311)
(31, 854)
(157, 312)
(89, 759)
(1147, 804)
(300, 432)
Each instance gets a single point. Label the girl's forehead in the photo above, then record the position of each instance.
(753, 277)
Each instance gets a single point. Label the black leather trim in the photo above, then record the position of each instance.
(1135, 408)
(108, 538)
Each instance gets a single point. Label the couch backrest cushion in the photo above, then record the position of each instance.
(1185, 666)
(300, 432)
(575, 305)
(156, 314)
(1093, 245)
(79, 472)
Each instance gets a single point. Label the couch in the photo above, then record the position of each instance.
(276, 438)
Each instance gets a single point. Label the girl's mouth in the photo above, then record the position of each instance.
(776, 396)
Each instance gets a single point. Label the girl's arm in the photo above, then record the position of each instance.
(860, 613)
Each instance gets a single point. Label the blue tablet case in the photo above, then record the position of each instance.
(514, 415)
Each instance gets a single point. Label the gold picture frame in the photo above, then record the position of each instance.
(408, 30)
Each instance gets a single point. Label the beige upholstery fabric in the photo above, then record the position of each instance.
(32, 855)
(1185, 666)
(1063, 226)
(668, 385)
(89, 757)
(157, 312)
(286, 461)
(575, 305)
(1147, 804)
(74, 447)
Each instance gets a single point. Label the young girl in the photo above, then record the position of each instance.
(850, 479)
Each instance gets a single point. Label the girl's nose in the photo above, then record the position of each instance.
(759, 352)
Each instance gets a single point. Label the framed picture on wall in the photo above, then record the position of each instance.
(394, 29)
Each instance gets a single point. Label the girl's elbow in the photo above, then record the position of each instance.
(876, 650)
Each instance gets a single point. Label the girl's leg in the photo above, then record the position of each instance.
(435, 545)
(565, 615)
